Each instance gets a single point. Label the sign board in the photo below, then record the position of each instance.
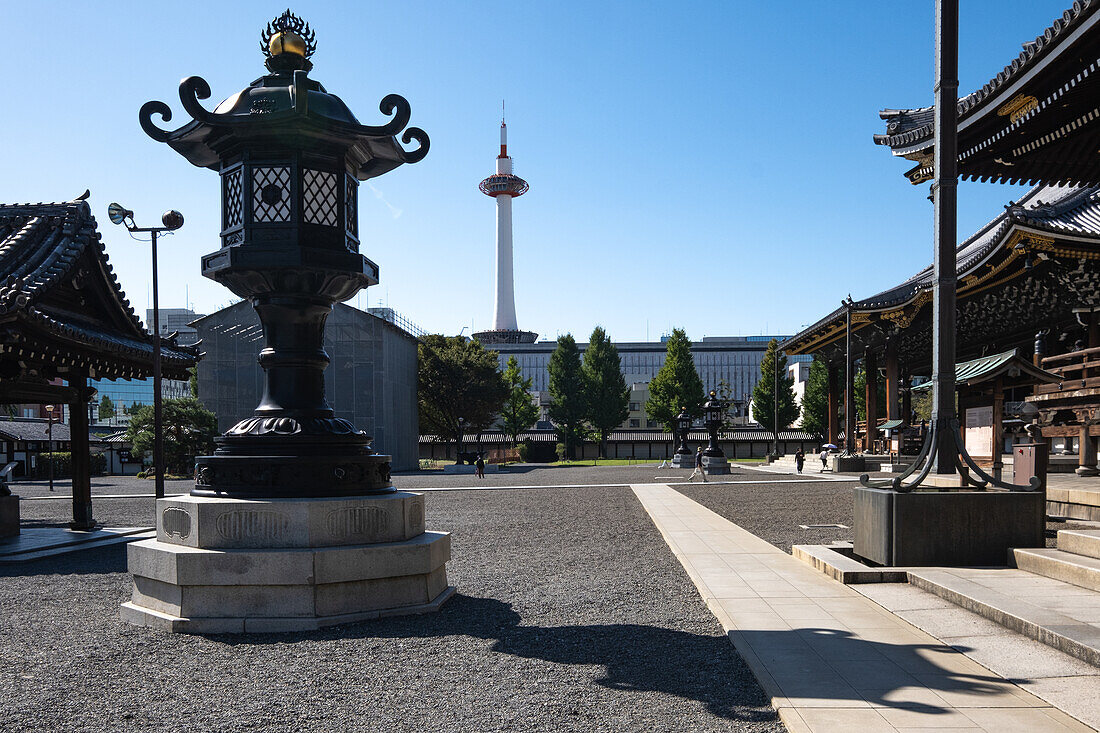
(978, 433)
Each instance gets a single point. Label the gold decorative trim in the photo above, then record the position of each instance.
(1018, 106)
(861, 317)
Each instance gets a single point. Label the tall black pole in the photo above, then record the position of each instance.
(945, 200)
(775, 399)
(849, 384)
(49, 439)
(158, 427)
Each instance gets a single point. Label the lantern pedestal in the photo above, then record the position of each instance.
(9, 516)
(236, 565)
(716, 465)
(683, 460)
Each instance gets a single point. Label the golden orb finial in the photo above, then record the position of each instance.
(287, 42)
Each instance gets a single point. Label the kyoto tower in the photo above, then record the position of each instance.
(504, 186)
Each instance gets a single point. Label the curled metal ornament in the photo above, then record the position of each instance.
(145, 117)
(192, 89)
(391, 104)
(417, 155)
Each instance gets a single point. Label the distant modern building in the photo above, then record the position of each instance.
(734, 360)
(176, 320)
(371, 378)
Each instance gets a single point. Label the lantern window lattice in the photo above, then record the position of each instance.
(351, 210)
(270, 194)
(233, 189)
(320, 197)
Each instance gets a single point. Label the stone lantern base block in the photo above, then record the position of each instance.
(683, 460)
(9, 516)
(716, 466)
(266, 566)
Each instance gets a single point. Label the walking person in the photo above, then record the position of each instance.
(698, 465)
(824, 459)
(480, 463)
(799, 460)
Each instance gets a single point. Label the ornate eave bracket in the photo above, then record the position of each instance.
(194, 88)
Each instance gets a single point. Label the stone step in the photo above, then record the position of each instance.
(1060, 565)
(1052, 612)
(1080, 541)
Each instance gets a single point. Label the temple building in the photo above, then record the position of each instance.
(1027, 281)
(64, 320)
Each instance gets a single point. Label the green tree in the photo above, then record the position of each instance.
(676, 385)
(189, 431)
(106, 408)
(519, 412)
(815, 400)
(763, 394)
(861, 395)
(606, 395)
(193, 380)
(723, 391)
(566, 386)
(457, 378)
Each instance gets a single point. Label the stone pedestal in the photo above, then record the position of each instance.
(953, 528)
(716, 465)
(683, 460)
(239, 565)
(9, 516)
(848, 464)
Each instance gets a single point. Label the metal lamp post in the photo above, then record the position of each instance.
(172, 220)
(775, 403)
(461, 435)
(49, 438)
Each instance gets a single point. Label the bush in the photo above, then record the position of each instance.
(63, 465)
(560, 450)
(523, 449)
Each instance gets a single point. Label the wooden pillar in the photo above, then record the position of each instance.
(892, 381)
(907, 405)
(1086, 446)
(81, 456)
(870, 394)
(832, 417)
(998, 426)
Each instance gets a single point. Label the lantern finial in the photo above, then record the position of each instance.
(288, 42)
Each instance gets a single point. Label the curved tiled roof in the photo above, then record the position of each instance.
(1057, 209)
(41, 246)
(904, 127)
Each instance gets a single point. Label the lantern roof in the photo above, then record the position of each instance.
(286, 105)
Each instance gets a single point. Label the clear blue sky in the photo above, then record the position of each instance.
(707, 165)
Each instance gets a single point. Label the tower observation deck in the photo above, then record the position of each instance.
(504, 186)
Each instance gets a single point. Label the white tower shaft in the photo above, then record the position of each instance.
(504, 317)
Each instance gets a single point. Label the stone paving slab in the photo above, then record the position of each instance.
(1059, 614)
(33, 543)
(1069, 684)
(830, 658)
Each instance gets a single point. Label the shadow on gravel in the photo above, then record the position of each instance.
(634, 657)
(93, 561)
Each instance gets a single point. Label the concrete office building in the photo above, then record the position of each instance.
(371, 378)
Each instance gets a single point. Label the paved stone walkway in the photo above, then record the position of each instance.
(830, 658)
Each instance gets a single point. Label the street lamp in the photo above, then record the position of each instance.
(49, 438)
(172, 221)
(458, 448)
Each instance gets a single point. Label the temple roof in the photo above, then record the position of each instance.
(60, 302)
(1054, 211)
(1032, 122)
(1008, 363)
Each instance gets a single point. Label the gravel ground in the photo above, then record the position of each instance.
(774, 511)
(572, 615)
